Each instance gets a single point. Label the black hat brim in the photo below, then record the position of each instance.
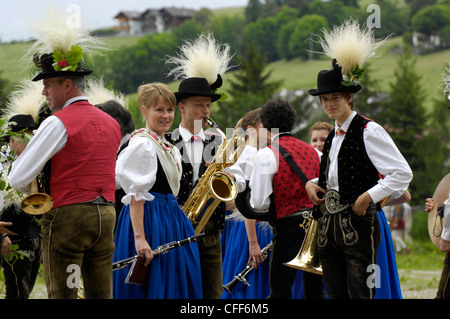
(182, 95)
(46, 75)
(23, 122)
(343, 88)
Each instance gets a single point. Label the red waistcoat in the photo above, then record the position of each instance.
(288, 190)
(85, 167)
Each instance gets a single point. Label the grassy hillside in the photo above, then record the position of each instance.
(296, 74)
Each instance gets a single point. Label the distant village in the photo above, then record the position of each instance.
(131, 23)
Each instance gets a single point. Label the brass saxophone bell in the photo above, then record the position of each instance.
(36, 203)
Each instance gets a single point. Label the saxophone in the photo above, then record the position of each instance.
(214, 186)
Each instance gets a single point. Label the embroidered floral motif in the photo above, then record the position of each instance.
(167, 147)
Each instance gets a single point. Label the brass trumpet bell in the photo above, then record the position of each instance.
(36, 203)
(308, 258)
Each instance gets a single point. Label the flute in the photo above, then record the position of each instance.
(163, 249)
(241, 276)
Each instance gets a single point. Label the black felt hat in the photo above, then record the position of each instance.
(330, 81)
(46, 62)
(23, 122)
(195, 87)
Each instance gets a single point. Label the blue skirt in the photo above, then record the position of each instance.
(174, 275)
(388, 286)
(235, 256)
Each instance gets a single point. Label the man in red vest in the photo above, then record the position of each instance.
(81, 142)
(276, 187)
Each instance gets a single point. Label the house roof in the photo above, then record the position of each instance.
(138, 15)
(132, 15)
(179, 12)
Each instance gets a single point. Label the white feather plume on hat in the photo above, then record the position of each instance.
(57, 31)
(351, 46)
(97, 93)
(204, 57)
(26, 99)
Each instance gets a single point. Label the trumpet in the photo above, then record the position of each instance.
(308, 258)
(37, 203)
(214, 186)
(241, 276)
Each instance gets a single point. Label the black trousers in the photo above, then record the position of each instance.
(288, 237)
(20, 274)
(444, 283)
(348, 244)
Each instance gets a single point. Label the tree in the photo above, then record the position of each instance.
(250, 89)
(141, 63)
(301, 41)
(370, 101)
(416, 5)
(431, 19)
(405, 120)
(284, 36)
(253, 10)
(334, 11)
(188, 30)
(263, 33)
(229, 29)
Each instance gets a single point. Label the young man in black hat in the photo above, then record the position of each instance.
(197, 147)
(201, 64)
(81, 141)
(356, 156)
(21, 272)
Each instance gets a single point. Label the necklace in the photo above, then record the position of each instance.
(167, 147)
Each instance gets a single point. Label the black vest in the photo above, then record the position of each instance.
(356, 173)
(210, 145)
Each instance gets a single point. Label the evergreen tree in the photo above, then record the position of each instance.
(253, 10)
(405, 120)
(250, 88)
(370, 101)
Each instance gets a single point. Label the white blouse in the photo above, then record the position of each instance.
(243, 167)
(137, 166)
(446, 221)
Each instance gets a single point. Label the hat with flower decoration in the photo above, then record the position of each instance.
(349, 46)
(201, 65)
(61, 46)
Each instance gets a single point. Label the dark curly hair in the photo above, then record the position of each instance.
(278, 114)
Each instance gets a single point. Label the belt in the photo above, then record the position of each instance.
(333, 203)
(334, 206)
(99, 201)
(305, 212)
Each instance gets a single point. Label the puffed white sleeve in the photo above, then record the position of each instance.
(136, 169)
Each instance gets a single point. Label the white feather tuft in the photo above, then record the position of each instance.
(204, 57)
(446, 81)
(350, 45)
(97, 93)
(58, 31)
(26, 99)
